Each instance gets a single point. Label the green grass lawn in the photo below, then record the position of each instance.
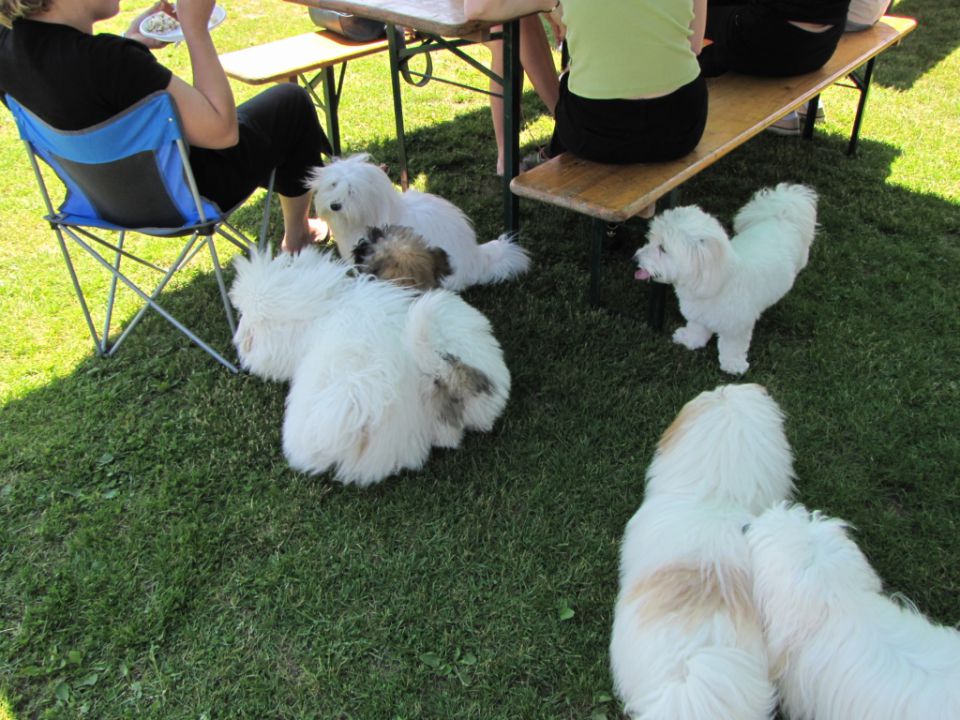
(159, 560)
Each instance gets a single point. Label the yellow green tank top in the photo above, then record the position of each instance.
(629, 48)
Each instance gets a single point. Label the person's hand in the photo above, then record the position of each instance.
(133, 32)
(559, 30)
(194, 15)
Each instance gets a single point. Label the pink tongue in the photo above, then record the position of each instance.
(641, 274)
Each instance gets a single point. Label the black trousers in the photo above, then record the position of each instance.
(278, 129)
(749, 39)
(629, 131)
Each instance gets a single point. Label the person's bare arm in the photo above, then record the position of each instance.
(504, 9)
(207, 108)
(698, 25)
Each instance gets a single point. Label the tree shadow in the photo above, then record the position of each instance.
(145, 501)
(936, 36)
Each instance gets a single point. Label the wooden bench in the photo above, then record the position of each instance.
(739, 107)
(292, 59)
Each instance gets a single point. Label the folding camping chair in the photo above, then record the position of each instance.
(130, 174)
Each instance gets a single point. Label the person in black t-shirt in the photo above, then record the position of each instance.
(774, 38)
(54, 65)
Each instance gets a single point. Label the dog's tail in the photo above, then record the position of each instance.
(787, 202)
(453, 346)
(721, 683)
(502, 260)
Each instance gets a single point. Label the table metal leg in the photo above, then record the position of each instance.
(512, 85)
(395, 43)
(331, 102)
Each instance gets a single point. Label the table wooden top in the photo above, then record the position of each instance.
(437, 17)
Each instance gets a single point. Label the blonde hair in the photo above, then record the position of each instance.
(11, 10)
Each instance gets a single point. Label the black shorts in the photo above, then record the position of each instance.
(629, 131)
(278, 129)
(748, 39)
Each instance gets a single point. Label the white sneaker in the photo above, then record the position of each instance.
(789, 124)
(802, 112)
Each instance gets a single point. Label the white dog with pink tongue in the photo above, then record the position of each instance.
(724, 285)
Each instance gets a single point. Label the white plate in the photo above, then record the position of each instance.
(216, 17)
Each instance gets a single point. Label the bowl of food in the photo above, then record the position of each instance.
(164, 27)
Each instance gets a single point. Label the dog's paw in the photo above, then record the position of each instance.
(691, 338)
(734, 366)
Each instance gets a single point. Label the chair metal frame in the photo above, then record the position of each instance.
(199, 234)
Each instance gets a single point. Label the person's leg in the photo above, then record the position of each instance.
(279, 130)
(536, 59)
(496, 99)
(299, 229)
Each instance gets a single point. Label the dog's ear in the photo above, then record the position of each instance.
(364, 247)
(441, 265)
(361, 251)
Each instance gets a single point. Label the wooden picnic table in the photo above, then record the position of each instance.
(442, 25)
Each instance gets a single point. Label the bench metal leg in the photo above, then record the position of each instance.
(599, 231)
(395, 43)
(863, 86)
(656, 308)
(811, 118)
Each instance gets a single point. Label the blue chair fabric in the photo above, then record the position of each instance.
(130, 174)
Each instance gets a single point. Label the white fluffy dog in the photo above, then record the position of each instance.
(841, 650)
(378, 374)
(687, 641)
(724, 285)
(352, 194)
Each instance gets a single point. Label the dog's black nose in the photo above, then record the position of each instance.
(335, 206)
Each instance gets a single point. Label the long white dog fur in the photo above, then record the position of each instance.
(352, 194)
(378, 374)
(687, 641)
(724, 285)
(840, 648)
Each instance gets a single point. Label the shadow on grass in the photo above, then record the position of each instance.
(936, 36)
(154, 538)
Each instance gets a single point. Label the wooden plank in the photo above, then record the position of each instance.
(740, 106)
(282, 60)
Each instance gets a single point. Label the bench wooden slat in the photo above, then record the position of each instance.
(285, 59)
(739, 107)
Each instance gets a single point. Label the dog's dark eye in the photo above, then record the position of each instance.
(335, 206)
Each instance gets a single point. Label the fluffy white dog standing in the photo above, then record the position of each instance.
(687, 642)
(724, 285)
(378, 374)
(841, 650)
(352, 194)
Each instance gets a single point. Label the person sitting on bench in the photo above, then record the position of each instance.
(772, 38)
(634, 91)
(54, 65)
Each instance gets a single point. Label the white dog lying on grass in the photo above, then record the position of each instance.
(378, 374)
(352, 194)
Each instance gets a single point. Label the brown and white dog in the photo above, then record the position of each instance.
(399, 254)
(687, 642)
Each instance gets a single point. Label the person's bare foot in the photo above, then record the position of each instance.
(318, 234)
